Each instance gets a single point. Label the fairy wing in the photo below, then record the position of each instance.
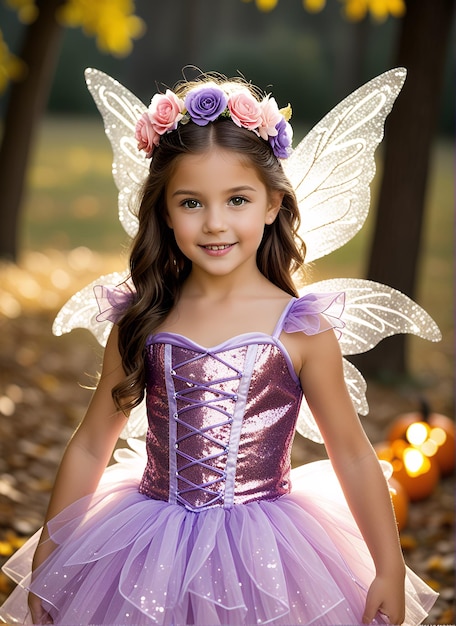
(81, 310)
(332, 167)
(372, 312)
(120, 110)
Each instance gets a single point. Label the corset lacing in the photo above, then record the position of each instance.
(187, 400)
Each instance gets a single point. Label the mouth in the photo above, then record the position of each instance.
(216, 247)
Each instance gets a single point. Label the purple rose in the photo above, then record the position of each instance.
(281, 143)
(204, 104)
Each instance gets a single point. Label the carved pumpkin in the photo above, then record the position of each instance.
(400, 502)
(432, 433)
(416, 472)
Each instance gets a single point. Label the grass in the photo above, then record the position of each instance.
(72, 202)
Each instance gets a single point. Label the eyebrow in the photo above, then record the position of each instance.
(233, 190)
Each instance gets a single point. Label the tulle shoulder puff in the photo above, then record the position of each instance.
(315, 313)
(112, 301)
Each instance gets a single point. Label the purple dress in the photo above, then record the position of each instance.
(213, 527)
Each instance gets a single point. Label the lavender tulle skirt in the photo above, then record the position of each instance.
(123, 558)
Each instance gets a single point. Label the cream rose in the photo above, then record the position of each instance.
(245, 110)
(270, 117)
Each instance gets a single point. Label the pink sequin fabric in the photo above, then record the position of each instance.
(231, 414)
(204, 523)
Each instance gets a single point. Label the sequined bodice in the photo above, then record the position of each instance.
(221, 421)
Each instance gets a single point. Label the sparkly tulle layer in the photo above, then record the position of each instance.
(126, 559)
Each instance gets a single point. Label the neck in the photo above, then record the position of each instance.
(202, 285)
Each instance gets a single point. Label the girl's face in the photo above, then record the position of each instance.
(218, 207)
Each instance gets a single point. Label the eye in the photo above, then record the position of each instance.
(191, 204)
(238, 201)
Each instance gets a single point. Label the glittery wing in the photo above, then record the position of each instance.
(332, 167)
(81, 310)
(121, 110)
(372, 312)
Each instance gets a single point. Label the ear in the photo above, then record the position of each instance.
(275, 203)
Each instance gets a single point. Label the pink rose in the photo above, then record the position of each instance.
(146, 135)
(270, 117)
(245, 109)
(165, 111)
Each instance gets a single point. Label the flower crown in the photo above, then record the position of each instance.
(207, 102)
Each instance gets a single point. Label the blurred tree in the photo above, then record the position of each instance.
(410, 128)
(422, 48)
(114, 25)
(11, 68)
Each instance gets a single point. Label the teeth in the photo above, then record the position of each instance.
(217, 247)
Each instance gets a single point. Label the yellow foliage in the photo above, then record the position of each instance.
(11, 68)
(356, 10)
(112, 22)
(265, 5)
(314, 6)
(26, 10)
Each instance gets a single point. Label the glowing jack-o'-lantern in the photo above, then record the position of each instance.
(400, 501)
(431, 433)
(416, 472)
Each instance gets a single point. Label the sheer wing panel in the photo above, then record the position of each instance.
(120, 110)
(332, 167)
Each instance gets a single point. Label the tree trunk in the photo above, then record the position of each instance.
(25, 108)
(410, 128)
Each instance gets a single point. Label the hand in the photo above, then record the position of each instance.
(386, 596)
(39, 615)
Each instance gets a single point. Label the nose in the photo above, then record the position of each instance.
(214, 221)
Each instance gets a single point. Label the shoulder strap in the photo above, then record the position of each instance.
(279, 326)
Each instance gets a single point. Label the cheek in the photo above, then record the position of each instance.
(183, 233)
(253, 230)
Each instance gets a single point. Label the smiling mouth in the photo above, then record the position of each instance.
(223, 246)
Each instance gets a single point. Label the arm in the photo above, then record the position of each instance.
(357, 469)
(88, 451)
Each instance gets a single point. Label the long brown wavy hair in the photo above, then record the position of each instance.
(159, 269)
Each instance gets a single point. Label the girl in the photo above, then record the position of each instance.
(213, 332)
